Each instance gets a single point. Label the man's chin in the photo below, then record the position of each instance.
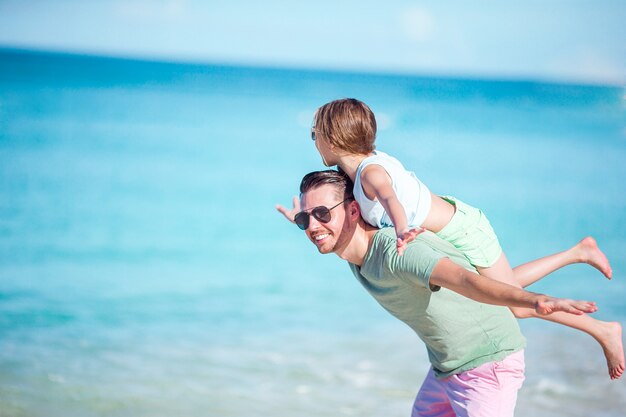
(323, 249)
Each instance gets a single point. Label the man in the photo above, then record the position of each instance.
(476, 350)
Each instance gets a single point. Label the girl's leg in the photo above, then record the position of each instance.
(586, 251)
(609, 335)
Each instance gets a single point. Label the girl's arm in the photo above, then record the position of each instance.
(377, 185)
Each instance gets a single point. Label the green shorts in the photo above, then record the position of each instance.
(470, 232)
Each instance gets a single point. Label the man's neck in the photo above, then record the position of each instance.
(359, 244)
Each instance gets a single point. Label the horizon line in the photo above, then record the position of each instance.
(286, 67)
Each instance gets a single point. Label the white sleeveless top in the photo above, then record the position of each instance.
(412, 193)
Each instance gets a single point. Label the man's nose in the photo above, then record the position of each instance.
(313, 223)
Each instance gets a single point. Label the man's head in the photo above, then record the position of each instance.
(347, 125)
(329, 213)
(341, 183)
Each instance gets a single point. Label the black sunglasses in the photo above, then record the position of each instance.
(313, 133)
(321, 213)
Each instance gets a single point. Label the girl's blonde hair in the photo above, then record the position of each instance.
(348, 124)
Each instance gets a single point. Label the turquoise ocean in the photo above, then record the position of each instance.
(144, 270)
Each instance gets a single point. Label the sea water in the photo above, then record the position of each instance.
(144, 270)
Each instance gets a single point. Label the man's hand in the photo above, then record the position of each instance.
(551, 305)
(290, 214)
(405, 237)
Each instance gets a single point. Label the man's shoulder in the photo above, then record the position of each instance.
(426, 247)
(441, 248)
(387, 236)
(423, 247)
(414, 266)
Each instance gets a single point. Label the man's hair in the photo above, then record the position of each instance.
(338, 179)
(348, 124)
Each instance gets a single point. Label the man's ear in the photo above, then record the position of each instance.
(355, 210)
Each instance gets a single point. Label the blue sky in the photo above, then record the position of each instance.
(560, 40)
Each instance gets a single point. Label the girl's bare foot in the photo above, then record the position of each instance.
(611, 343)
(589, 253)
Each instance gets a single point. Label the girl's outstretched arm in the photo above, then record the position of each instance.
(377, 185)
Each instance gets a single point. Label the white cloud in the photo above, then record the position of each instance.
(305, 118)
(417, 24)
(383, 121)
(587, 63)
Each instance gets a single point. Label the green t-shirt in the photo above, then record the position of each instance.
(459, 333)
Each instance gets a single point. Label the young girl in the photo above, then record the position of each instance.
(344, 132)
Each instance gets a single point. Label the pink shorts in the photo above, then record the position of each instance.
(487, 391)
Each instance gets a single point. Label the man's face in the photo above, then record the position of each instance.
(332, 236)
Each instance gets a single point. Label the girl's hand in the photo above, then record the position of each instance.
(405, 237)
(290, 214)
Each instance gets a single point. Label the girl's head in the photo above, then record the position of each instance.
(347, 125)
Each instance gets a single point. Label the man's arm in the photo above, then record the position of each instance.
(449, 275)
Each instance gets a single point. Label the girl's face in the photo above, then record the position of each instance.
(325, 151)
(323, 146)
